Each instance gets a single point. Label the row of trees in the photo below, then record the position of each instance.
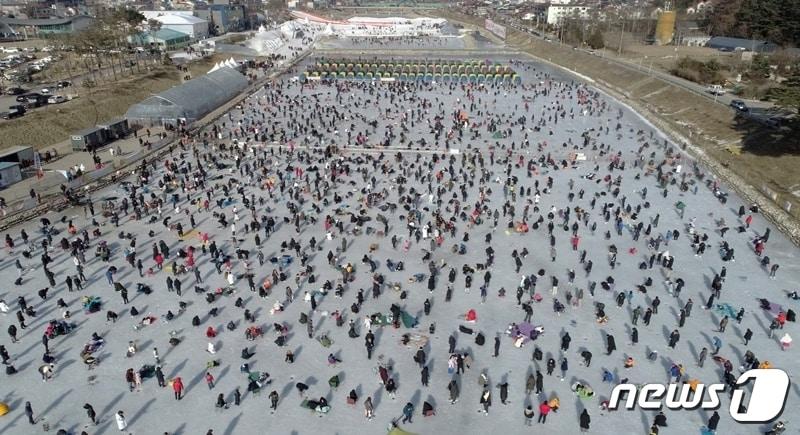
(777, 21)
(105, 45)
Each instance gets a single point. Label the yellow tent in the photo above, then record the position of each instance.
(398, 431)
(3, 408)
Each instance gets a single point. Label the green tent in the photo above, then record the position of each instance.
(408, 320)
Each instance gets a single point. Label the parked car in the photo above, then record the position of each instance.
(15, 91)
(64, 84)
(24, 98)
(739, 105)
(716, 90)
(56, 99)
(45, 91)
(14, 112)
(36, 101)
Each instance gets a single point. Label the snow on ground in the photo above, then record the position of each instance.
(153, 410)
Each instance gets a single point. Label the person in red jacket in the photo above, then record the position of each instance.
(177, 386)
(781, 319)
(544, 409)
(210, 381)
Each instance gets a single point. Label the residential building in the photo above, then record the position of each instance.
(691, 34)
(554, 13)
(223, 16)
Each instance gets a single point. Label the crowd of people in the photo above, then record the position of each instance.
(365, 234)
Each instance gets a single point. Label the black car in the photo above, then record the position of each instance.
(739, 105)
(64, 84)
(15, 91)
(27, 98)
(14, 112)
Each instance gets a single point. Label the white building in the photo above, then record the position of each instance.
(180, 21)
(553, 13)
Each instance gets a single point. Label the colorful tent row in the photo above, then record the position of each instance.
(345, 62)
(450, 69)
(461, 78)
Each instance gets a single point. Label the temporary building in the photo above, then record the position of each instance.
(10, 173)
(89, 139)
(189, 101)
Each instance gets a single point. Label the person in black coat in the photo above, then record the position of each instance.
(660, 420)
(551, 365)
(29, 413)
(539, 382)
(503, 393)
(420, 357)
(90, 413)
(425, 376)
(713, 421)
(452, 342)
(673, 338)
(748, 335)
(160, 377)
(611, 345)
(587, 357)
(585, 420)
(565, 339)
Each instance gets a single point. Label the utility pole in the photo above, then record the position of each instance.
(621, 31)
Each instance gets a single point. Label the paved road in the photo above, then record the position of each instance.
(683, 83)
